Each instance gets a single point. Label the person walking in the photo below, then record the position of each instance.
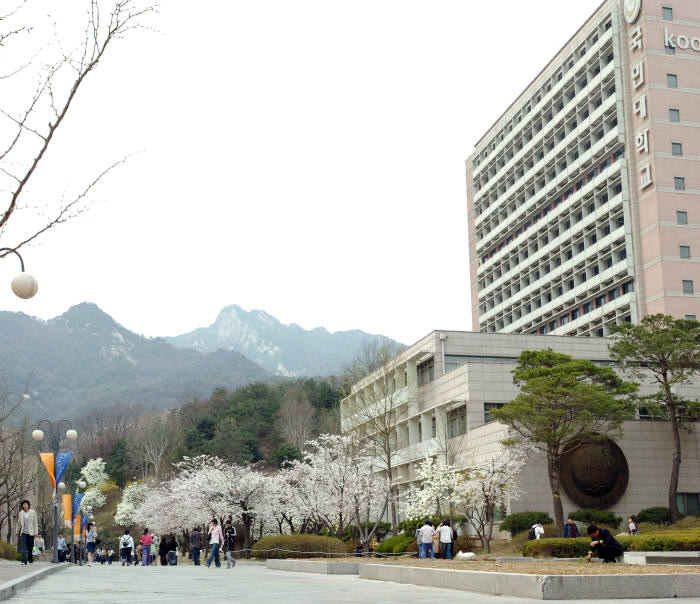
(126, 544)
(570, 529)
(90, 542)
(445, 534)
(155, 550)
(27, 527)
(172, 551)
(62, 548)
(146, 542)
(230, 543)
(632, 527)
(426, 535)
(216, 537)
(163, 550)
(196, 544)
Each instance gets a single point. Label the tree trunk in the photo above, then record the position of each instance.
(676, 465)
(553, 467)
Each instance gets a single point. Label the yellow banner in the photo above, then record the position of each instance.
(67, 509)
(48, 461)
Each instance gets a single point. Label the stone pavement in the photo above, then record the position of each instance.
(248, 582)
(9, 569)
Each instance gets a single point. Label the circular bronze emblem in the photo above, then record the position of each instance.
(595, 474)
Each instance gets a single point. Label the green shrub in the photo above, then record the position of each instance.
(298, 546)
(666, 541)
(656, 515)
(687, 523)
(395, 545)
(7, 551)
(522, 521)
(599, 517)
(550, 532)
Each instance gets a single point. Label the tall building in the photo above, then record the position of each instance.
(584, 197)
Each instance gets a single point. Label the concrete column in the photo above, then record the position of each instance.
(426, 420)
(402, 435)
(440, 422)
(411, 379)
(413, 430)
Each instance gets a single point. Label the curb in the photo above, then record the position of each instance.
(9, 588)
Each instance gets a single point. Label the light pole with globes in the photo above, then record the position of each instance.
(55, 438)
(78, 484)
(23, 285)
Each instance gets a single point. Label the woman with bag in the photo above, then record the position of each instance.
(90, 542)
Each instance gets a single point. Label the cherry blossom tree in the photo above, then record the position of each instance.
(93, 472)
(133, 496)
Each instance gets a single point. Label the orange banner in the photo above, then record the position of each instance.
(67, 509)
(77, 526)
(48, 461)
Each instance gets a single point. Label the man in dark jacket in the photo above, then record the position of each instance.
(603, 544)
(230, 543)
(196, 543)
(570, 529)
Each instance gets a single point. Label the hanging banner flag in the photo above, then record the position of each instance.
(83, 523)
(48, 461)
(76, 527)
(77, 498)
(61, 463)
(67, 511)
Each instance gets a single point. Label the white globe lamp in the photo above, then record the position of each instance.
(25, 286)
(71, 434)
(37, 435)
(82, 484)
(61, 485)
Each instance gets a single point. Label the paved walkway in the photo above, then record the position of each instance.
(9, 569)
(248, 582)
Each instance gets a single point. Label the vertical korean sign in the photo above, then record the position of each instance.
(638, 75)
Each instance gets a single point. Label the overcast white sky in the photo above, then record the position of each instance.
(301, 157)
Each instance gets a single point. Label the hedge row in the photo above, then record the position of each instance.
(298, 546)
(395, 545)
(522, 521)
(575, 548)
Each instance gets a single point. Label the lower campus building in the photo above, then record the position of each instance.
(448, 382)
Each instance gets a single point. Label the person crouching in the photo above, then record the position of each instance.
(603, 544)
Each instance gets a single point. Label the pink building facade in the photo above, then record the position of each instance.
(584, 197)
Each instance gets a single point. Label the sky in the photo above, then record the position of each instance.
(306, 158)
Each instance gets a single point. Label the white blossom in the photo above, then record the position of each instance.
(94, 472)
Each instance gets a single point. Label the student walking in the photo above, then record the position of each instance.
(216, 537)
(62, 548)
(146, 542)
(163, 551)
(172, 551)
(632, 527)
(126, 544)
(90, 542)
(196, 544)
(27, 527)
(230, 543)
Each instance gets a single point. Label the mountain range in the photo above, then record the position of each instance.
(286, 350)
(84, 359)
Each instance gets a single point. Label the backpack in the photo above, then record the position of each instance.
(531, 534)
(124, 541)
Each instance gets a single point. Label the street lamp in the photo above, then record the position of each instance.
(57, 460)
(78, 484)
(23, 285)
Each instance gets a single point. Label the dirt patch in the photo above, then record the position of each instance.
(537, 568)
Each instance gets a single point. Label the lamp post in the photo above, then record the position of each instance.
(78, 484)
(55, 438)
(23, 285)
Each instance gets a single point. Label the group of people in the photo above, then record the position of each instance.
(435, 541)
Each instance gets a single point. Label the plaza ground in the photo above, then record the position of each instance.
(248, 582)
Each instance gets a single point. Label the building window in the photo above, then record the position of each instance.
(677, 149)
(685, 251)
(426, 372)
(674, 115)
(628, 287)
(688, 287)
(457, 421)
(672, 80)
(600, 333)
(679, 183)
(682, 217)
(688, 503)
(690, 318)
(667, 13)
(488, 407)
